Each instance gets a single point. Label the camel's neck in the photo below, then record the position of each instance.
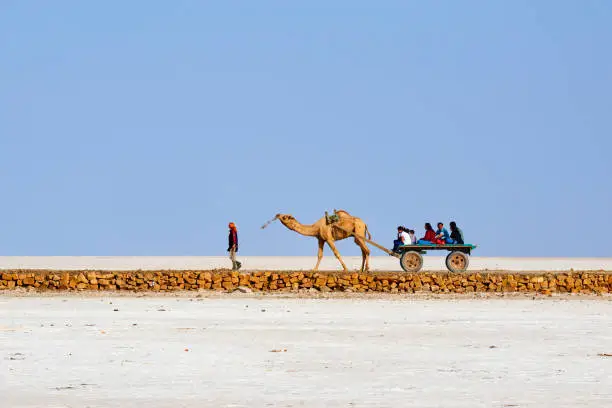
(308, 230)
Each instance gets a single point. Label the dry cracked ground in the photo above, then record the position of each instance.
(260, 351)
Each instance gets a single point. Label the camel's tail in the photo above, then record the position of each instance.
(367, 231)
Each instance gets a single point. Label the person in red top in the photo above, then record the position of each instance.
(233, 246)
(430, 236)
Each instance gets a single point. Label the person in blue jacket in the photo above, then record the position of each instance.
(443, 235)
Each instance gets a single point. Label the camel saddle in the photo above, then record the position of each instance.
(331, 219)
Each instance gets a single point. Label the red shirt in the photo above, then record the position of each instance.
(429, 236)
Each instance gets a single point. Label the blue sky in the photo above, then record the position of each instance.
(143, 127)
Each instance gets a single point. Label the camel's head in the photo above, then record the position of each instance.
(282, 217)
(286, 219)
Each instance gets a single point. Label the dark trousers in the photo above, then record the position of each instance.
(396, 244)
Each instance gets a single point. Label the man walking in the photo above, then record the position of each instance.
(233, 246)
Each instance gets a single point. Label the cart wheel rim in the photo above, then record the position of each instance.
(411, 261)
(457, 261)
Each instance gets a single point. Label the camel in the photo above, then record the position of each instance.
(326, 232)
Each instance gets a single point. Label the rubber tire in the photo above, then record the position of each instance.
(457, 261)
(411, 261)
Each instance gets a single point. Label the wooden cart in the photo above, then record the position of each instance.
(411, 259)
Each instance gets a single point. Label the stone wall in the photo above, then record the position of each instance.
(589, 282)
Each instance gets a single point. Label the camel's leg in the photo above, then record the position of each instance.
(365, 254)
(335, 251)
(320, 254)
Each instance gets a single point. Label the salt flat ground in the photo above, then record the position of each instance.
(230, 352)
(329, 263)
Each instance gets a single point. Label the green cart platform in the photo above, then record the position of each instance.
(411, 256)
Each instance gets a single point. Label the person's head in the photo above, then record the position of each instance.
(428, 227)
(231, 226)
(411, 232)
(453, 225)
(440, 225)
(400, 228)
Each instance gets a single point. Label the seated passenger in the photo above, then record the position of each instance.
(429, 237)
(456, 234)
(402, 238)
(442, 236)
(405, 237)
(413, 239)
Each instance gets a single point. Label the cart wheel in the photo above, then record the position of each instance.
(457, 261)
(411, 261)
